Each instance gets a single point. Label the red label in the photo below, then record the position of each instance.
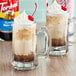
(8, 5)
(14, 2)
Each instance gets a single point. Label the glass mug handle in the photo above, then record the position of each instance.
(45, 53)
(72, 21)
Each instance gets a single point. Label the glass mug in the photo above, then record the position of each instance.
(25, 53)
(58, 27)
(70, 8)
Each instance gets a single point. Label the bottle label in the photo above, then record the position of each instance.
(6, 25)
(9, 5)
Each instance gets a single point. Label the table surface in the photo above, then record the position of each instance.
(56, 66)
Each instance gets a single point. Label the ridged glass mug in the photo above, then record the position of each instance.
(25, 53)
(58, 27)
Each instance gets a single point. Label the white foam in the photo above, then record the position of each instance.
(22, 20)
(55, 9)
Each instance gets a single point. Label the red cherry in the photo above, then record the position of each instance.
(64, 8)
(47, 4)
(30, 18)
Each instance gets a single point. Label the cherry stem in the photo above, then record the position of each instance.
(35, 9)
(65, 1)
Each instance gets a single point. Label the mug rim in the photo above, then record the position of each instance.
(24, 25)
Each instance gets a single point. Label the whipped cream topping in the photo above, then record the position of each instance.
(23, 19)
(55, 9)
